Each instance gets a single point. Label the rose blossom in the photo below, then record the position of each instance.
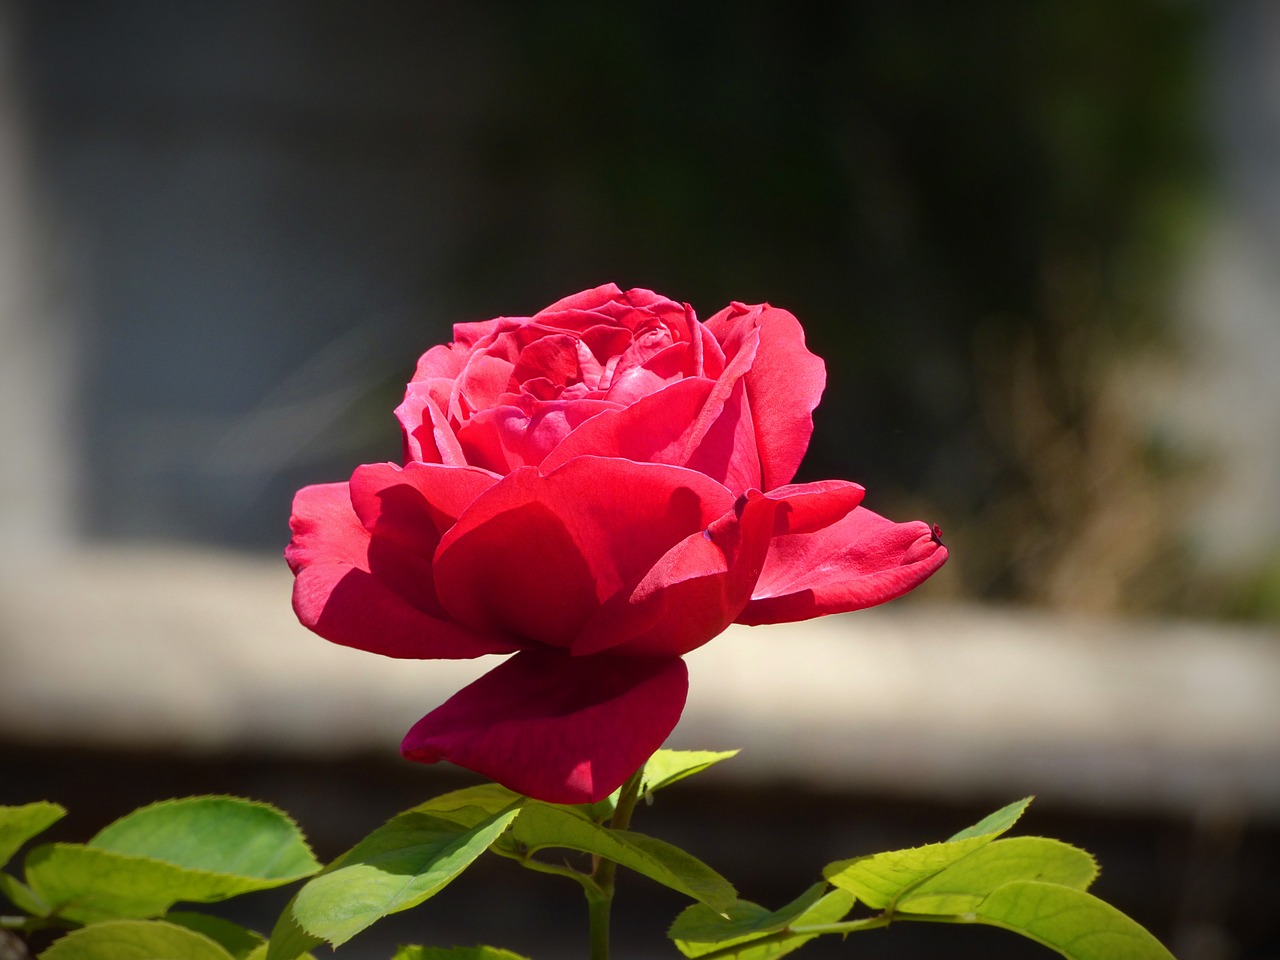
(597, 490)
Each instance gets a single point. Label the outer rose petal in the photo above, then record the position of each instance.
(783, 386)
(554, 727)
(857, 562)
(337, 596)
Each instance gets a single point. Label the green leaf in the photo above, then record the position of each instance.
(399, 865)
(200, 850)
(741, 919)
(878, 880)
(232, 937)
(831, 908)
(669, 766)
(1076, 924)
(996, 823)
(20, 824)
(135, 940)
(288, 940)
(543, 825)
(964, 885)
(455, 953)
(224, 835)
(23, 897)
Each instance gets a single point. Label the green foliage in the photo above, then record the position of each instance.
(135, 940)
(880, 879)
(20, 824)
(543, 825)
(200, 850)
(115, 892)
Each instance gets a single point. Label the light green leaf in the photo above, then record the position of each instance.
(964, 885)
(200, 850)
(232, 937)
(20, 824)
(742, 919)
(399, 865)
(223, 835)
(831, 908)
(543, 825)
(455, 953)
(1076, 924)
(669, 766)
(996, 823)
(135, 940)
(878, 880)
(23, 897)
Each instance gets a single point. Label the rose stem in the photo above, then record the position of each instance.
(601, 899)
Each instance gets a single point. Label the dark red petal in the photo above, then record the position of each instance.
(555, 727)
(784, 386)
(856, 562)
(536, 555)
(336, 594)
(693, 591)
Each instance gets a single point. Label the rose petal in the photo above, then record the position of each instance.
(507, 437)
(536, 555)
(425, 431)
(554, 727)
(856, 562)
(784, 386)
(693, 592)
(336, 594)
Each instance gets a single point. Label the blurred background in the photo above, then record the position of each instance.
(1036, 242)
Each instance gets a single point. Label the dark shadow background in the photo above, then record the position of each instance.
(977, 210)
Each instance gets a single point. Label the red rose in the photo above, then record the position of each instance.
(597, 489)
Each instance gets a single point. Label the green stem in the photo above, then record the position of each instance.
(600, 899)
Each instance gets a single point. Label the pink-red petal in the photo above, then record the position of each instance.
(555, 727)
(535, 555)
(336, 594)
(859, 561)
(784, 385)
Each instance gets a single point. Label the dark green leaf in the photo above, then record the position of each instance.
(831, 908)
(1076, 924)
(964, 885)
(135, 940)
(20, 824)
(396, 867)
(232, 937)
(741, 919)
(288, 940)
(544, 825)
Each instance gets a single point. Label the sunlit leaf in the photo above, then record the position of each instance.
(741, 919)
(20, 824)
(878, 880)
(669, 766)
(200, 850)
(455, 953)
(398, 866)
(135, 940)
(543, 825)
(1076, 924)
(964, 885)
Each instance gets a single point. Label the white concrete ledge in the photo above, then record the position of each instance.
(196, 651)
